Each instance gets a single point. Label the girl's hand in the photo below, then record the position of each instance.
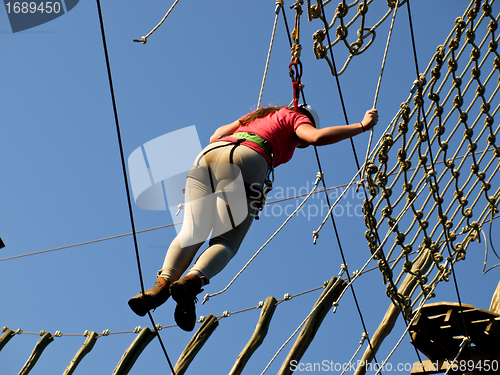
(370, 119)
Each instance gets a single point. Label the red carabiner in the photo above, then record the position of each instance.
(295, 76)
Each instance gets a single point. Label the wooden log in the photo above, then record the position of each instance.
(40, 346)
(196, 343)
(258, 336)
(84, 350)
(321, 307)
(495, 301)
(134, 351)
(8, 334)
(422, 264)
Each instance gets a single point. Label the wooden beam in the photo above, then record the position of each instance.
(196, 343)
(321, 307)
(421, 264)
(258, 336)
(8, 334)
(495, 301)
(40, 346)
(493, 329)
(84, 350)
(134, 351)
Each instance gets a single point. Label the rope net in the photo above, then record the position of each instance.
(364, 35)
(440, 154)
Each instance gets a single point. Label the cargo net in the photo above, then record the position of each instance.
(432, 178)
(351, 27)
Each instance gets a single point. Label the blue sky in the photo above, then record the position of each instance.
(62, 181)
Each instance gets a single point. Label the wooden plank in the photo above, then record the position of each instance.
(8, 334)
(476, 321)
(437, 308)
(495, 301)
(321, 308)
(493, 329)
(430, 367)
(479, 314)
(439, 336)
(195, 344)
(133, 352)
(84, 350)
(453, 324)
(431, 340)
(258, 336)
(40, 346)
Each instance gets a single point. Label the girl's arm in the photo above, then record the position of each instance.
(309, 135)
(229, 128)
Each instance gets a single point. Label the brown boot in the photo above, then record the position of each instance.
(184, 292)
(153, 297)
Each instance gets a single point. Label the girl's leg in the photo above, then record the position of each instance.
(198, 215)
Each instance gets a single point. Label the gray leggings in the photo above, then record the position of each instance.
(215, 206)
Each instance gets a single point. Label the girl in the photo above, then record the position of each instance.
(240, 158)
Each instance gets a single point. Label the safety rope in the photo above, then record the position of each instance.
(125, 176)
(368, 148)
(295, 68)
(318, 178)
(364, 336)
(383, 263)
(465, 342)
(435, 188)
(316, 306)
(144, 39)
(414, 317)
(345, 186)
(456, 186)
(320, 7)
(383, 260)
(492, 247)
(279, 5)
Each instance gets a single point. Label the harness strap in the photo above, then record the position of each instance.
(268, 183)
(257, 139)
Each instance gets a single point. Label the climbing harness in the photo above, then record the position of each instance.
(268, 183)
(256, 196)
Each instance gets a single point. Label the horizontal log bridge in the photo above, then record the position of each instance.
(258, 336)
(324, 303)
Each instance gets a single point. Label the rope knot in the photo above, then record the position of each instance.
(296, 49)
(315, 11)
(207, 297)
(143, 40)
(315, 236)
(341, 10)
(342, 32)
